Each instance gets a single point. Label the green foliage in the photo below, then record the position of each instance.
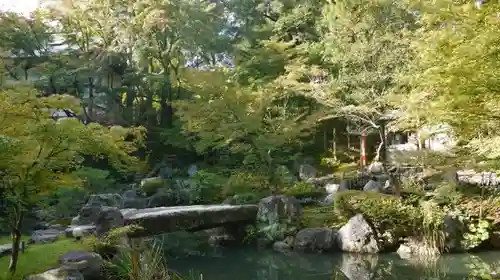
(208, 187)
(62, 204)
(446, 193)
(390, 215)
(245, 198)
(39, 152)
(151, 186)
(481, 270)
(324, 216)
(140, 262)
(302, 190)
(477, 234)
(245, 182)
(96, 180)
(454, 75)
(109, 244)
(431, 228)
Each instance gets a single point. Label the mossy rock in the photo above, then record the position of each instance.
(388, 214)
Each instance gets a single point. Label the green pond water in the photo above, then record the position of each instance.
(253, 264)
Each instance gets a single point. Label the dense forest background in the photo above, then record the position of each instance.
(242, 88)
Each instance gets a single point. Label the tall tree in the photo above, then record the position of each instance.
(454, 80)
(39, 152)
(352, 70)
(25, 43)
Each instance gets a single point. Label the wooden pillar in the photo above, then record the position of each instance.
(363, 150)
(383, 150)
(334, 144)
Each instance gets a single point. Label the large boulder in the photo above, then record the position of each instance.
(372, 186)
(88, 214)
(306, 172)
(494, 241)
(278, 209)
(80, 231)
(278, 216)
(45, 235)
(5, 249)
(108, 219)
(315, 240)
(454, 230)
(357, 236)
(87, 263)
(376, 167)
(61, 273)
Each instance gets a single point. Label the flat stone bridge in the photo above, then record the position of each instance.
(159, 220)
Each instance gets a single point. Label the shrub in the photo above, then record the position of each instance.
(303, 190)
(321, 216)
(245, 182)
(207, 187)
(144, 263)
(152, 185)
(108, 245)
(388, 214)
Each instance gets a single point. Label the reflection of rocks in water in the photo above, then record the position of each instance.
(292, 265)
(359, 266)
(453, 266)
(249, 264)
(471, 266)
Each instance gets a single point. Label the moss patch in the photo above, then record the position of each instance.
(39, 258)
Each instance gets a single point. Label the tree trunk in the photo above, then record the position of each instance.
(90, 103)
(16, 241)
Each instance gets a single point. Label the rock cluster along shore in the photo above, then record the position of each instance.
(276, 221)
(277, 216)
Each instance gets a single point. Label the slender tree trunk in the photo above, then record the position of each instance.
(90, 103)
(16, 241)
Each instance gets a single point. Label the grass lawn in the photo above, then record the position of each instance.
(38, 258)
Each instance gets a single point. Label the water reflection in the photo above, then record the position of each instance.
(248, 264)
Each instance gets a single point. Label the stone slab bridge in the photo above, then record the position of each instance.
(159, 220)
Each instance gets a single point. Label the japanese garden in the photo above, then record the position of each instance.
(250, 139)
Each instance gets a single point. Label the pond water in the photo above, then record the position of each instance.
(253, 264)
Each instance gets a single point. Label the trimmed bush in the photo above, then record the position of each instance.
(304, 190)
(388, 214)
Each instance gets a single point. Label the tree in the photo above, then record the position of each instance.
(39, 152)
(259, 124)
(352, 69)
(455, 80)
(24, 41)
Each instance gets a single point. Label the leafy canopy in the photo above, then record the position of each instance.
(39, 153)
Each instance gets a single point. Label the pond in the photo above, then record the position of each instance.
(253, 264)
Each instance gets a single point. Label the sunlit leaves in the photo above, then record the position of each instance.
(39, 153)
(456, 79)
